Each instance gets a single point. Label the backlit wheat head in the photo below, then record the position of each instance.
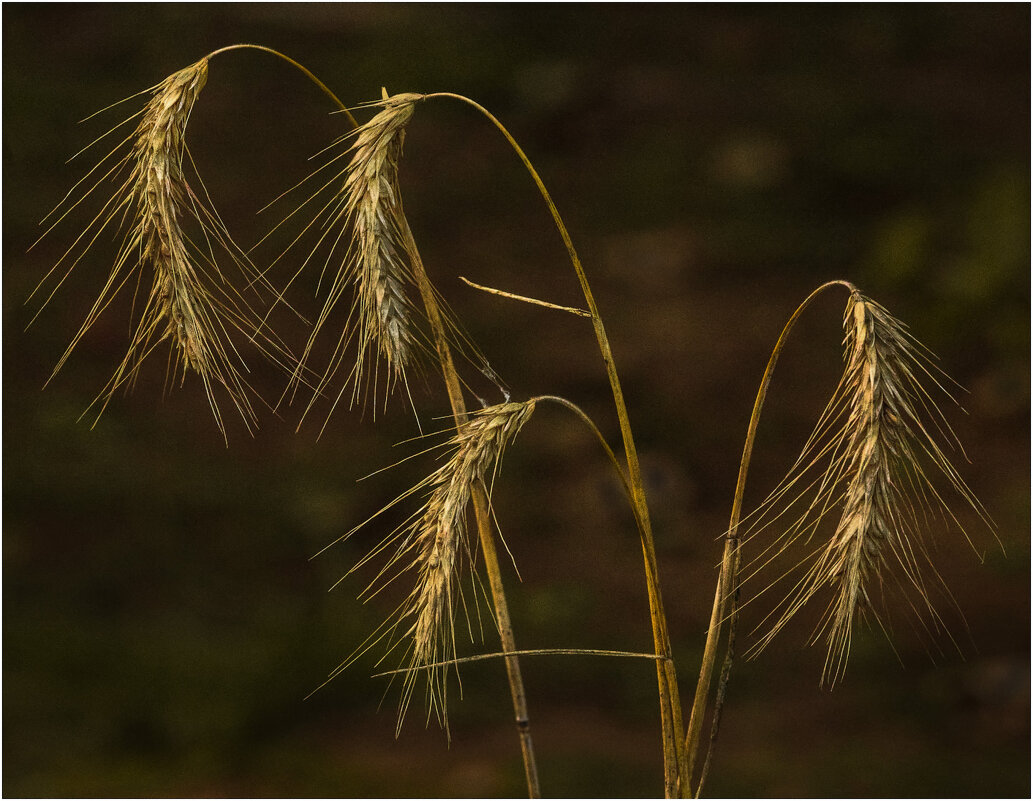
(189, 302)
(880, 439)
(433, 544)
(365, 229)
(382, 248)
(372, 259)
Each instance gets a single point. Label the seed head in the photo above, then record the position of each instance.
(879, 436)
(441, 536)
(189, 303)
(433, 543)
(364, 224)
(372, 259)
(382, 246)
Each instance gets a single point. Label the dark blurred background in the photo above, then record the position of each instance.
(163, 621)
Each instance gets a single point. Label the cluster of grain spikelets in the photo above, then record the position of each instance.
(379, 256)
(364, 232)
(433, 544)
(189, 302)
(868, 460)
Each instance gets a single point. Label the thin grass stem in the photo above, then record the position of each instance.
(527, 652)
(675, 765)
(724, 608)
(308, 73)
(481, 513)
(524, 299)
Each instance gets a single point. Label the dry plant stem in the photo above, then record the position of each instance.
(675, 764)
(487, 539)
(292, 62)
(724, 606)
(523, 299)
(530, 652)
(588, 421)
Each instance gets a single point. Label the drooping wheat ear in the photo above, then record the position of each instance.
(382, 249)
(189, 303)
(880, 434)
(364, 219)
(178, 300)
(434, 543)
(478, 446)
(365, 233)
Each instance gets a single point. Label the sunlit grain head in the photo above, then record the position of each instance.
(181, 294)
(873, 463)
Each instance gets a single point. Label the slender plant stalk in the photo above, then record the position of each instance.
(528, 652)
(724, 597)
(523, 299)
(675, 765)
(481, 513)
(588, 421)
(326, 90)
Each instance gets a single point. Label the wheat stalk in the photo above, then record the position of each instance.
(880, 434)
(675, 762)
(189, 302)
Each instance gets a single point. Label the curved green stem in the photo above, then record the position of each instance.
(675, 765)
(293, 63)
(724, 608)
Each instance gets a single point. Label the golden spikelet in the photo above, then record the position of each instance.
(366, 234)
(372, 259)
(383, 255)
(878, 437)
(434, 544)
(189, 302)
(477, 447)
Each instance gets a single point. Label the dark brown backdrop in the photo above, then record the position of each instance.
(162, 619)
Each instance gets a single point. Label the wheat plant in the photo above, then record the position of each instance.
(876, 466)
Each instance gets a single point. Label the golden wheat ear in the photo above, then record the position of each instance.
(189, 303)
(870, 462)
(361, 228)
(433, 545)
(369, 260)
